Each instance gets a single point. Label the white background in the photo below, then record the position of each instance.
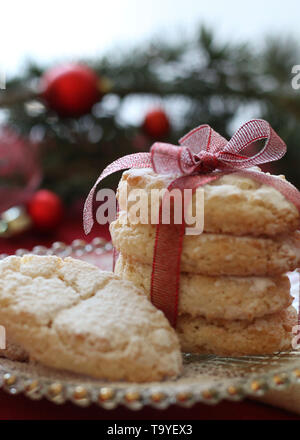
(50, 31)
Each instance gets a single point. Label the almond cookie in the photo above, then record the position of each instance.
(265, 335)
(213, 254)
(217, 297)
(68, 314)
(233, 204)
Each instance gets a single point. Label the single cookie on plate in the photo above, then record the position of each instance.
(213, 254)
(233, 204)
(69, 315)
(217, 297)
(266, 335)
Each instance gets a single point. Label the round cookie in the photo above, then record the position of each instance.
(233, 204)
(68, 314)
(213, 254)
(217, 297)
(237, 338)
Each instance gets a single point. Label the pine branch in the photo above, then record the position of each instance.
(203, 81)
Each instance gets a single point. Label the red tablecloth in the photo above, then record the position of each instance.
(19, 407)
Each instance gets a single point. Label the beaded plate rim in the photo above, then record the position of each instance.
(134, 396)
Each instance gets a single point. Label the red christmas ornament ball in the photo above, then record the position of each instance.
(156, 123)
(71, 89)
(45, 209)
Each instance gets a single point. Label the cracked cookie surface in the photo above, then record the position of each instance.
(265, 335)
(213, 254)
(233, 204)
(68, 314)
(217, 297)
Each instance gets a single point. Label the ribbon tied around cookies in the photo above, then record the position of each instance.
(202, 156)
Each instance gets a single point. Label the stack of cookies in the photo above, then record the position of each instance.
(234, 295)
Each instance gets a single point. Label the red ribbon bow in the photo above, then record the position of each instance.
(203, 156)
(204, 150)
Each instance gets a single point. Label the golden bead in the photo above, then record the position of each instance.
(157, 397)
(256, 386)
(207, 394)
(132, 396)
(297, 373)
(9, 379)
(183, 396)
(278, 380)
(80, 393)
(55, 389)
(106, 394)
(232, 390)
(32, 386)
(14, 220)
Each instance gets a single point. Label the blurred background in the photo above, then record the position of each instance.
(83, 83)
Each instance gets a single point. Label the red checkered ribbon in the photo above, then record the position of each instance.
(203, 156)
